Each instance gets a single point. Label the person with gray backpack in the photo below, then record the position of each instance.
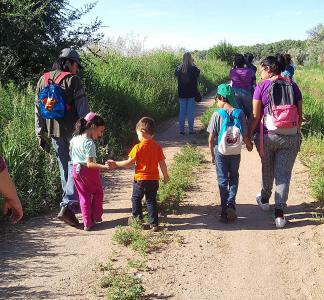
(277, 117)
(59, 102)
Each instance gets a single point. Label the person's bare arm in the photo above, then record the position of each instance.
(164, 170)
(93, 165)
(10, 197)
(255, 118)
(211, 145)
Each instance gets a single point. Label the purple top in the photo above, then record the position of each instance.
(242, 77)
(2, 164)
(261, 93)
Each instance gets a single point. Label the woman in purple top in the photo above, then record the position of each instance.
(242, 80)
(277, 151)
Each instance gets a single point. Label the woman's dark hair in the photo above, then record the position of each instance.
(248, 58)
(287, 58)
(275, 63)
(239, 61)
(82, 125)
(62, 64)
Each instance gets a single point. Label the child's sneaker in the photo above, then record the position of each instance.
(280, 222)
(262, 204)
(231, 214)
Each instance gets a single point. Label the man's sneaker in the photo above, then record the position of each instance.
(231, 214)
(263, 206)
(280, 222)
(67, 216)
(154, 228)
(223, 217)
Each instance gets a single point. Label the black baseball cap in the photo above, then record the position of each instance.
(71, 54)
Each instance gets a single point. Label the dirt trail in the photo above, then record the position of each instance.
(45, 259)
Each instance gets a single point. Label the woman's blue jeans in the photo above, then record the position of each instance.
(227, 167)
(243, 99)
(187, 109)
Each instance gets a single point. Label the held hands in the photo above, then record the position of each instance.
(110, 164)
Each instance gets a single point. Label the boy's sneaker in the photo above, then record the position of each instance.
(231, 214)
(280, 222)
(262, 204)
(154, 228)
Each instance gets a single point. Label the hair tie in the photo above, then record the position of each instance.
(90, 116)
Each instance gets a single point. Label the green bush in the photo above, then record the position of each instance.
(171, 194)
(223, 51)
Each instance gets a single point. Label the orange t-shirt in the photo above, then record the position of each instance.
(147, 155)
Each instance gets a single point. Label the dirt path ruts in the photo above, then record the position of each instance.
(45, 259)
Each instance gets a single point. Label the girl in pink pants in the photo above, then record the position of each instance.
(86, 172)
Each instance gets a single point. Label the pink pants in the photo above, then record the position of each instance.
(88, 185)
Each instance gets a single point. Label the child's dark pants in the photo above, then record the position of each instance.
(148, 188)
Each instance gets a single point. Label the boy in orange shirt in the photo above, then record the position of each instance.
(147, 155)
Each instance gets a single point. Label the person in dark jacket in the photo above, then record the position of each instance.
(59, 131)
(187, 74)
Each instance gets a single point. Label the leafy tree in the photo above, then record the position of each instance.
(223, 51)
(315, 45)
(32, 33)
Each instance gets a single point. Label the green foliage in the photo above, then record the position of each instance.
(171, 194)
(33, 172)
(133, 237)
(315, 45)
(262, 50)
(207, 115)
(311, 83)
(223, 51)
(33, 33)
(123, 286)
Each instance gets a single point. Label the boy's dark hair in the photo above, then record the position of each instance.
(218, 96)
(82, 125)
(147, 125)
(239, 61)
(275, 63)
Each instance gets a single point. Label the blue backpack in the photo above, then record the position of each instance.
(50, 99)
(230, 138)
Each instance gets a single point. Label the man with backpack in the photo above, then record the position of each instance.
(60, 101)
(227, 132)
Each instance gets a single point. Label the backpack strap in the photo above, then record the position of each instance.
(61, 77)
(46, 78)
(222, 113)
(236, 114)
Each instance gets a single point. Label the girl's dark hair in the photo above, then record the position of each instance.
(275, 63)
(82, 125)
(239, 61)
(62, 64)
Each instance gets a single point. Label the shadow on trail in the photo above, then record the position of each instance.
(250, 217)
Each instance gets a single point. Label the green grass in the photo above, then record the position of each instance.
(311, 83)
(181, 175)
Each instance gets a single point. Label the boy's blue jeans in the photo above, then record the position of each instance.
(187, 109)
(148, 188)
(70, 194)
(227, 167)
